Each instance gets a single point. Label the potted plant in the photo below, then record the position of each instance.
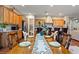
(3, 26)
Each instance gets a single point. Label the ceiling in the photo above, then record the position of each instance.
(56, 10)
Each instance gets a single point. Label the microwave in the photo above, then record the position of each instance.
(14, 27)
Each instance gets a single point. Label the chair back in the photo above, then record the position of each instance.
(55, 34)
(66, 41)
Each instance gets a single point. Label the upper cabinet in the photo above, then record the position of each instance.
(6, 16)
(1, 14)
(58, 22)
(10, 16)
(20, 21)
(14, 19)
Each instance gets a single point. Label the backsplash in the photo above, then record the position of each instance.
(6, 27)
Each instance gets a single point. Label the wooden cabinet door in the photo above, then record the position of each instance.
(1, 14)
(6, 16)
(19, 34)
(20, 21)
(58, 22)
(11, 17)
(15, 19)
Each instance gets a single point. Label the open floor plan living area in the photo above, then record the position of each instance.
(39, 29)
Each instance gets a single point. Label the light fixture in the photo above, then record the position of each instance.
(46, 14)
(30, 16)
(60, 14)
(48, 18)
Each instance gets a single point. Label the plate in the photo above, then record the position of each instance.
(24, 44)
(54, 44)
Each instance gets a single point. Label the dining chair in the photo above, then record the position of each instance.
(74, 46)
(66, 41)
(55, 35)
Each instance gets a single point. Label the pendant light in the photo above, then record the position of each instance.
(48, 19)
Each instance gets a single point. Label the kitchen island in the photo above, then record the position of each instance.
(8, 39)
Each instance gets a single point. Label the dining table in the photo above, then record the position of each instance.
(36, 47)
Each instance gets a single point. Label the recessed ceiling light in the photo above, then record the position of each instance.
(23, 5)
(73, 5)
(51, 5)
(47, 13)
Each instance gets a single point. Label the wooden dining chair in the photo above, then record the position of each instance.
(66, 41)
(74, 46)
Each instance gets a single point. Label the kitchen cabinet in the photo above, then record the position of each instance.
(9, 40)
(58, 22)
(11, 16)
(17, 19)
(20, 21)
(12, 38)
(14, 19)
(6, 16)
(1, 14)
(19, 35)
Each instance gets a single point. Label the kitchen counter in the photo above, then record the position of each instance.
(9, 38)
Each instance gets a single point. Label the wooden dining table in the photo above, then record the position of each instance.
(27, 50)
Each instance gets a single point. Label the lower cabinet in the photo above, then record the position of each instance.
(19, 35)
(12, 39)
(8, 39)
